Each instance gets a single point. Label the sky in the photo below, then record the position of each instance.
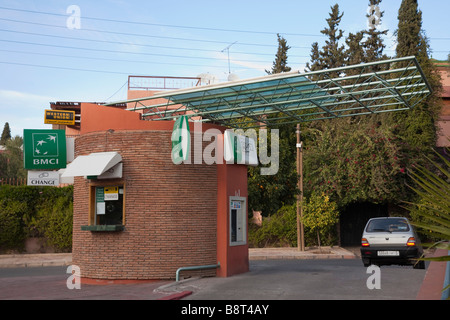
(84, 51)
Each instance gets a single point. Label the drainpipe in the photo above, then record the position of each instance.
(209, 266)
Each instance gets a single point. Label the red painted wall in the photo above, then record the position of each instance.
(231, 181)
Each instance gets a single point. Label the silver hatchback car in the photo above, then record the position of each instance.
(391, 240)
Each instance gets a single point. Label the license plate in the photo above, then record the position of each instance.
(388, 253)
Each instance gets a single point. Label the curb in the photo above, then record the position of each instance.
(35, 260)
(435, 280)
(294, 254)
(303, 257)
(177, 296)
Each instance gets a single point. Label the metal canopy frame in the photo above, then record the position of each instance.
(294, 97)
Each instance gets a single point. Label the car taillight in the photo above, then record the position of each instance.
(364, 242)
(411, 242)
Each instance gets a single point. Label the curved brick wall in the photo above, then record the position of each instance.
(170, 211)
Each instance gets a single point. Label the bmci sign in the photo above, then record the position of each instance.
(44, 149)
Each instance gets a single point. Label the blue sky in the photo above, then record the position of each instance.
(42, 60)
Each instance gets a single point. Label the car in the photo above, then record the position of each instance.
(391, 240)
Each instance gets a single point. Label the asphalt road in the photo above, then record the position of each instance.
(343, 279)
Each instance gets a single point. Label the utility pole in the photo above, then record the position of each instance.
(300, 230)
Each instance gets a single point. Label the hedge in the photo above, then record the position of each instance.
(27, 211)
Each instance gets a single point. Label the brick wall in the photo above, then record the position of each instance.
(170, 211)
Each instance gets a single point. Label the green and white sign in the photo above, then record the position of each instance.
(44, 149)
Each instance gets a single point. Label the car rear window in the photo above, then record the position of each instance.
(388, 225)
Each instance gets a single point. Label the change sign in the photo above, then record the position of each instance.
(43, 178)
(44, 149)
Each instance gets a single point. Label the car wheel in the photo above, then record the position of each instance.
(366, 262)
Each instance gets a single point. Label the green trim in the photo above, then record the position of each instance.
(106, 228)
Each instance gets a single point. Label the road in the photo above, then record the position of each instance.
(344, 279)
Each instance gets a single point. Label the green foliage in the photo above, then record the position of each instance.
(54, 222)
(320, 215)
(280, 63)
(11, 161)
(36, 212)
(417, 126)
(432, 212)
(418, 214)
(6, 134)
(332, 53)
(409, 28)
(12, 233)
(362, 159)
(352, 163)
(280, 229)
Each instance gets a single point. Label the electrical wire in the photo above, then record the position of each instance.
(114, 60)
(62, 68)
(165, 25)
(107, 99)
(137, 44)
(183, 27)
(152, 36)
(120, 51)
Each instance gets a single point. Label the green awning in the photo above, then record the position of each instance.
(383, 86)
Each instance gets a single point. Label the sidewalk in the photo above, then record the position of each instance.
(294, 253)
(35, 260)
(65, 259)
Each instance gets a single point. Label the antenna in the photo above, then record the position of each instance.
(228, 51)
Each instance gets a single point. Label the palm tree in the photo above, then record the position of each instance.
(433, 209)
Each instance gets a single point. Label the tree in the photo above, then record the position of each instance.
(417, 127)
(355, 52)
(280, 63)
(332, 53)
(409, 28)
(6, 134)
(11, 161)
(320, 214)
(432, 212)
(352, 163)
(365, 158)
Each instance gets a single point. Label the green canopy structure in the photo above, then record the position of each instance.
(294, 97)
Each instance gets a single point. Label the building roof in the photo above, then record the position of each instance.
(383, 86)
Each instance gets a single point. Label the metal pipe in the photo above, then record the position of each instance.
(209, 266)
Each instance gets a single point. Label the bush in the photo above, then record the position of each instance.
(27, 211)
(12, 233)
(278, 230)
(320, 216)
(54, 222)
